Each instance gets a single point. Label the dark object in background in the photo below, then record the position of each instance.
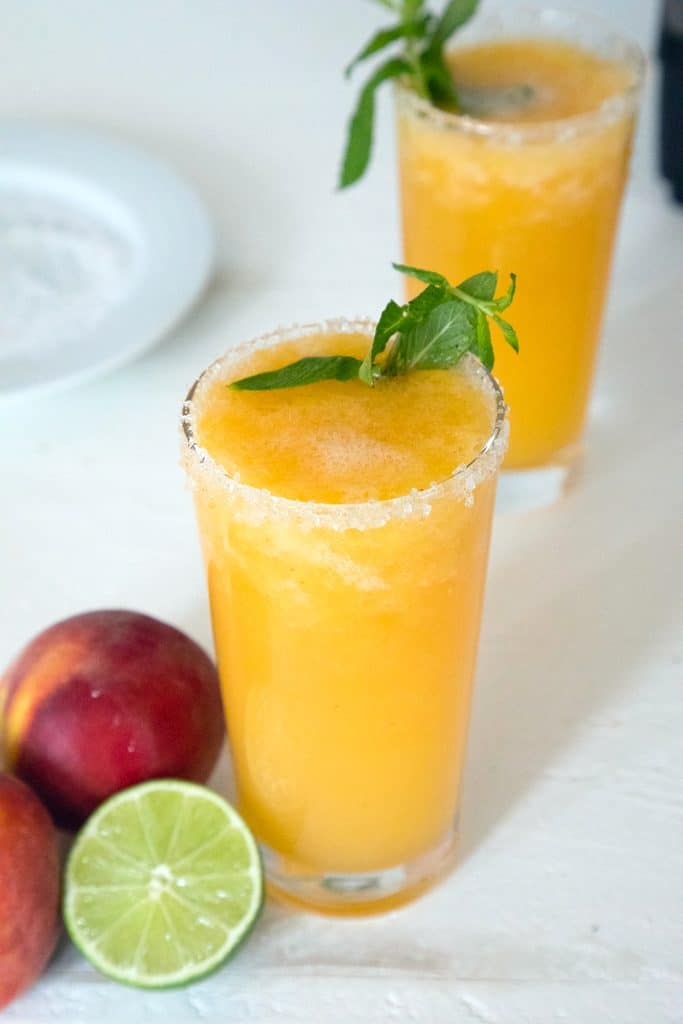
(671, 99)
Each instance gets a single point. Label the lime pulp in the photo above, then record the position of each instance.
(163, 883)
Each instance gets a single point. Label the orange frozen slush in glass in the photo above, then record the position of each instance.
(533, 185)
(346, 555)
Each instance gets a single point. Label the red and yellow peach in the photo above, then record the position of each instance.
(29, 888)
(106, 699)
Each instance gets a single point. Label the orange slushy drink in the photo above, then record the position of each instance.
(531, 180)
(345, 532)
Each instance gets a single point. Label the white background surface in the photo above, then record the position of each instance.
(567, 904)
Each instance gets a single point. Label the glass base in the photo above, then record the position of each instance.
(347, 893)
(520, 490)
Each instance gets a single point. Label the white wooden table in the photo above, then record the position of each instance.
(567, 904)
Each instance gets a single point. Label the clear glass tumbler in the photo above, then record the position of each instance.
(346, 638)
(540, 198)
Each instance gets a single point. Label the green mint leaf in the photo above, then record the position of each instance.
(455, 15)
(504, 301)
(365, 372)
(395, 318)
(483, 348)
(427, 276)
(359, 144)
(386, 36)
(439, 341)
(423, 303)
(509, 333)
(388, 324)
(438, 79)
(481, 286)
(412, 314)
(308, 370)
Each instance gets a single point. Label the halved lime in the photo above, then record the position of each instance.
(162, 884)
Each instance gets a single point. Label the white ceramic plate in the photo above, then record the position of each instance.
(102, 249)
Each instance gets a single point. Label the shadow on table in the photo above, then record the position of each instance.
(555, 666)
(580, 592)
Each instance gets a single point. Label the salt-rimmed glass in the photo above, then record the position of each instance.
(346, 639)
(538, 198)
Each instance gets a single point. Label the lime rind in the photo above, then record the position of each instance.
(147, 906)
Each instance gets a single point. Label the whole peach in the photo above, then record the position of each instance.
(29, 884)
(106, 699)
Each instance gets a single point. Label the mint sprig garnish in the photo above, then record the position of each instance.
(420, 61)
(308, 370)
(431, 332)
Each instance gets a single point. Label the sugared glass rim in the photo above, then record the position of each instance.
(559, 129)
(260, 504)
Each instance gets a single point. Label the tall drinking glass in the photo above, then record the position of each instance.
(531, 184)
(346, 636)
